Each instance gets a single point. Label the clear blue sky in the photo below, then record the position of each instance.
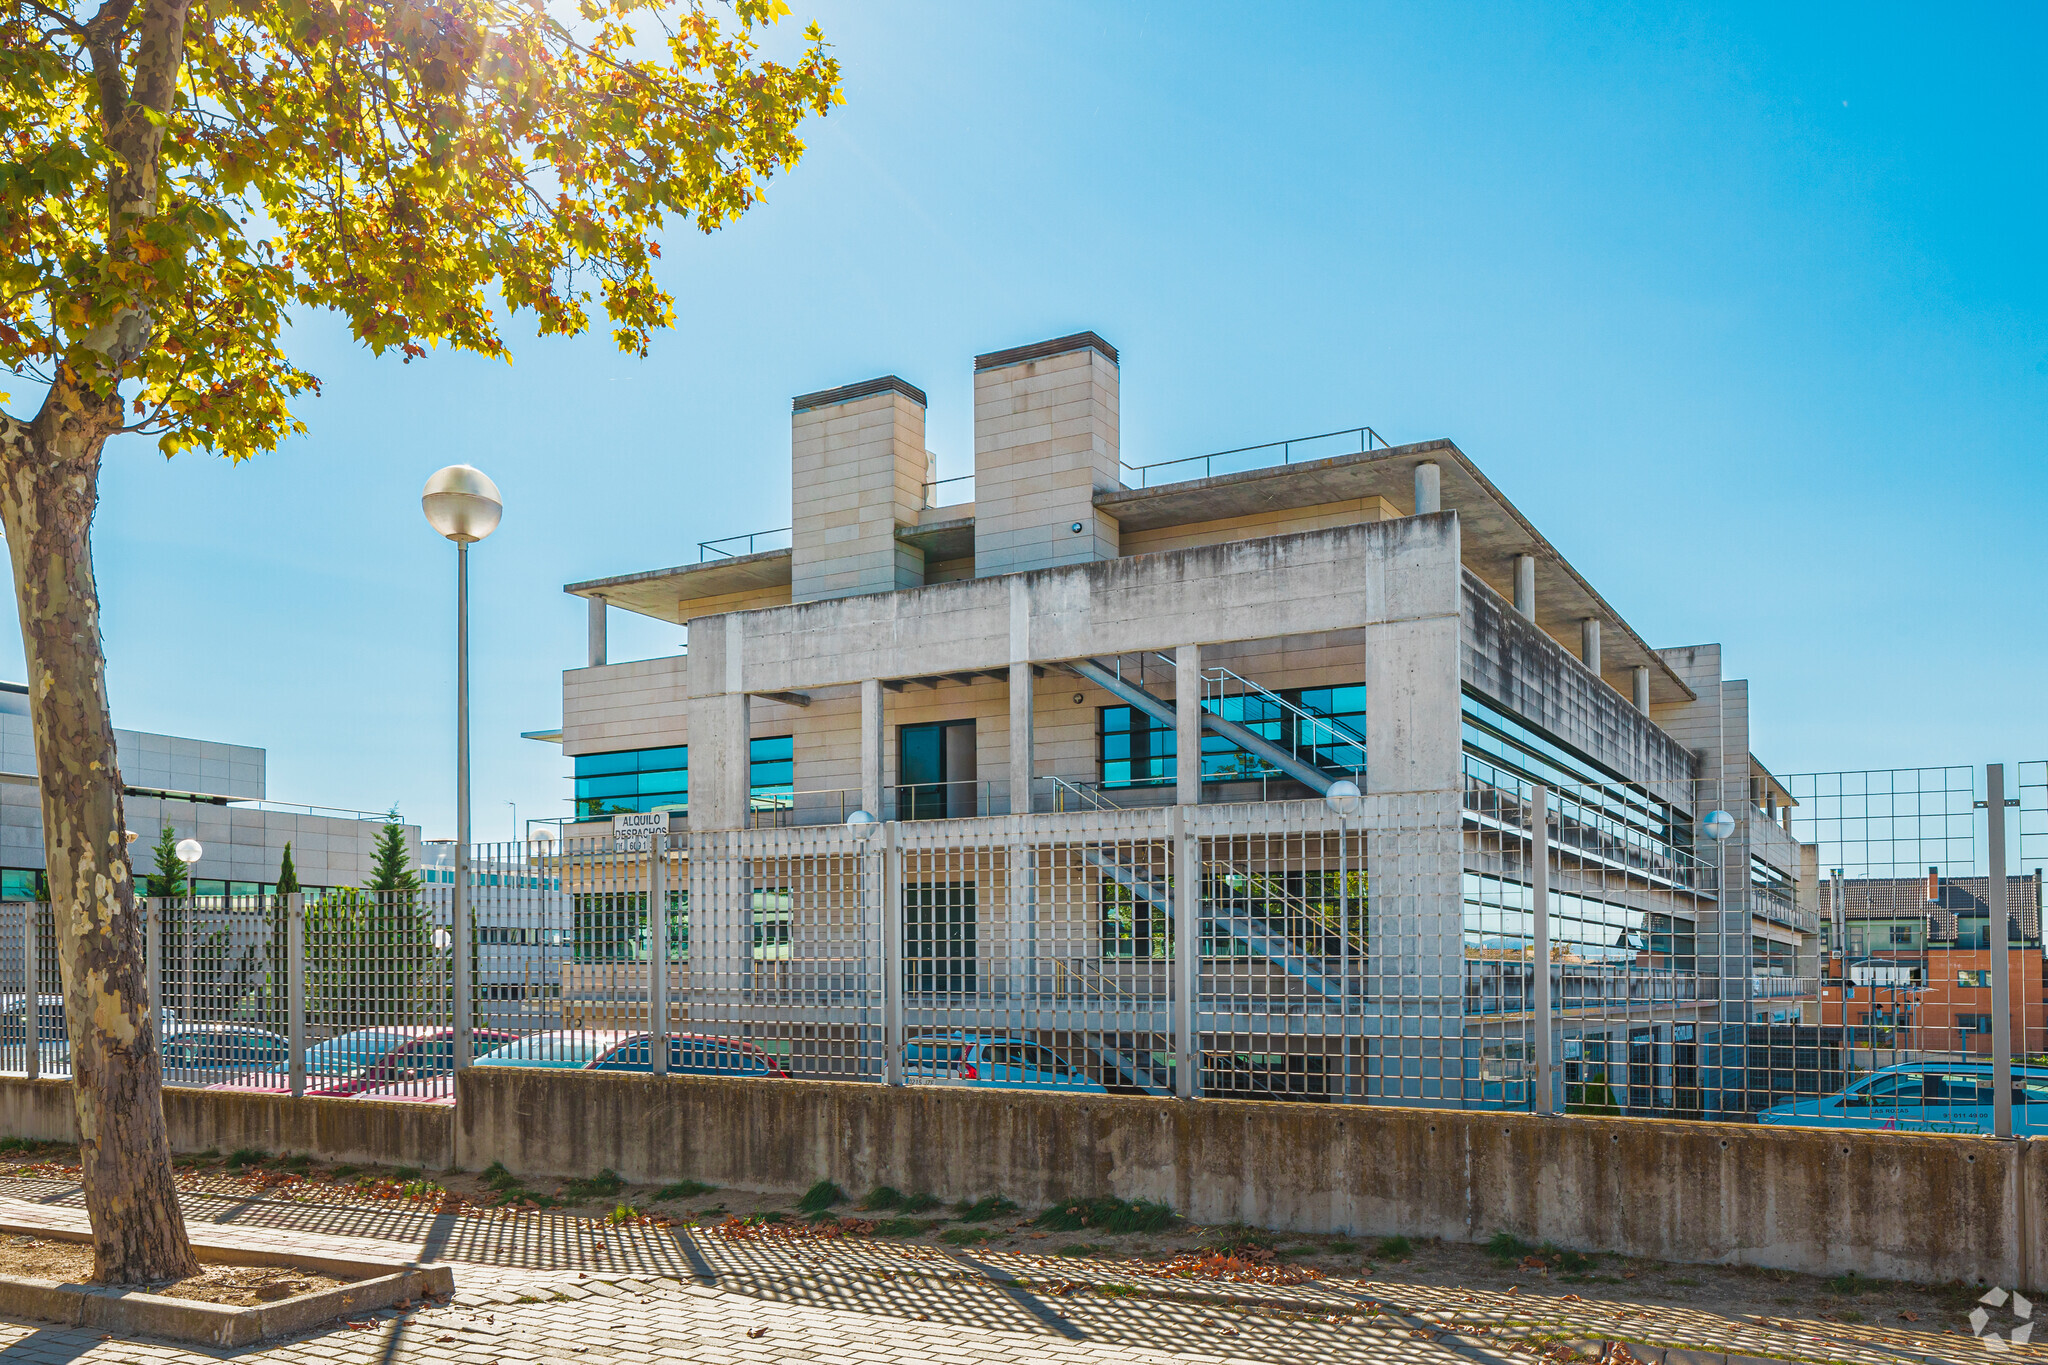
(1746, 311)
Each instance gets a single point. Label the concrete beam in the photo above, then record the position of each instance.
(1187, 725)
(1341, 578)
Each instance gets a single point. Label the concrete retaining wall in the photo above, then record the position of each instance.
(337, 1130)
(1892, 1205)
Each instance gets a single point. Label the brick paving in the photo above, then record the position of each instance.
(557, 1290)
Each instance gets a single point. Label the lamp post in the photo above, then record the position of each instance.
(462, 504)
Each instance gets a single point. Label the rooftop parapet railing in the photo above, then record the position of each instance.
(750, 543)
(1327, 445)
(954, 495)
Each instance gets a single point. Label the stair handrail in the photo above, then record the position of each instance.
(1339, 732)
(1086, 796)
(1307, 909)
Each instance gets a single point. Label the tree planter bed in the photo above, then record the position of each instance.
(371, 1285)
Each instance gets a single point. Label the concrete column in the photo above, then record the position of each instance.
(1589, 643)
(1525, 585)
(1020, 697)
(1020, 738)
(1429, 488)
(718, 713)
(1642, 688)
(1187, 725)
(597, 632)
(872, 730)
(718, 761)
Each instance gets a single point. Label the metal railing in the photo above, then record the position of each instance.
(931, 489)
(749, 543)
(1489, 947)
(1355, 441)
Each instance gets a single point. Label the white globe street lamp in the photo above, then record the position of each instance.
(1718, 824)
(462, 504)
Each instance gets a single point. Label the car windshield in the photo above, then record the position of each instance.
(352, 1052)
(560, 1049)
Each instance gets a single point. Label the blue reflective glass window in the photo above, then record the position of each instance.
(597, 765)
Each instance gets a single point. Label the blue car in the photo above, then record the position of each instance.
(981, 1059)
(1924, 1097)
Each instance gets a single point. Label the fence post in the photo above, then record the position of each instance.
(892, 957)
(458, 945)
(32, 992)
(1187, 953)
(2001, 959)
(295, 989)
(1539, 909)
(153, 966)
(657, 954)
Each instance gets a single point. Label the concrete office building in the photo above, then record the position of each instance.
(999, 672)
(213, 792)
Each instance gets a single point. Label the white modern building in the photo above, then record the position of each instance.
(1098, 709)
(214, 792)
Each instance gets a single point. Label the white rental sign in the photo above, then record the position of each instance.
(635, 833)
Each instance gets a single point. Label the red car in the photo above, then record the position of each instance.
(387, 1056)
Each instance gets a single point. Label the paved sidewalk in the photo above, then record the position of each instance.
(556, 1290)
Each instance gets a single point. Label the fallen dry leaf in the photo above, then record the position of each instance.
(753, 1333)
(1910, 1317)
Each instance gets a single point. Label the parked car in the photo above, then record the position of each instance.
(558, 1049)
(600, 1050)
(1924, 1097)
(50, 1020)
(206, 1053)
(370, 1058)
(692, 1054)
(978, 1059)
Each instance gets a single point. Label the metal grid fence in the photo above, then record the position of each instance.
(1822, 962)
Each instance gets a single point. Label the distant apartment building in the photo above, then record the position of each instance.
(1909, 962)
(1078, 635)
(214, 792)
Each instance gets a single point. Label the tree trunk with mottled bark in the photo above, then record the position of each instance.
(49, 475)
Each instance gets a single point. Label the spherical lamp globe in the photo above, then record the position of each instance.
(462, 503)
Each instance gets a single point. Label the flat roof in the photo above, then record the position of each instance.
(1493, 530)
(660, 593)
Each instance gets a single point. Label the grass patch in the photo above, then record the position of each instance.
(1105, 1215)
(603, 1185)
(904, 1227)
(622, 1213)
(966, 1237)
(1395, 1248)
(353, 1170)
(683, 1189)
(820, 1197)
(981, 1210)
(300, 1162)
(246, 1156)
(1505, 1246)
(402, 1173)
(1570, 1262)
(882, 1198)
(1081, 1249)
(496, 1177)
(1342, 1248)
(1851, 1284)
(918, 1203)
